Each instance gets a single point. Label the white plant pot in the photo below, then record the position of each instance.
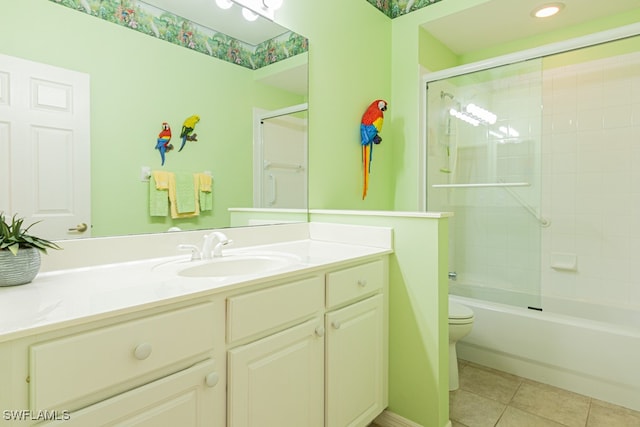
(19, 269)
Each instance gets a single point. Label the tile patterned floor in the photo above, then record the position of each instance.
(491, 398)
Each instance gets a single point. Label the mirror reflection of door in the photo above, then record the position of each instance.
(281, 154)
(44, 147)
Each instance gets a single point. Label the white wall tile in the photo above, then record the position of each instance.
(606, 208)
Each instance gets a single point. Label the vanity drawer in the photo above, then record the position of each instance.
(354, 283)
(78, 370)
(265, 310)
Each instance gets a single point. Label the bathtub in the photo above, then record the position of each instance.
(598, 358)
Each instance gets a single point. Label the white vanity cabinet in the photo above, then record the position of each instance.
(356, 345)
(160, 369)
(312, 352)
(277, 379)
(303, 349)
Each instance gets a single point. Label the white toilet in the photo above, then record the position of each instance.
(460, 324)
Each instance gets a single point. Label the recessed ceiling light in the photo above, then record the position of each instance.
(547, 10)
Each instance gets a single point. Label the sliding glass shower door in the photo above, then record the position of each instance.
(484, 132)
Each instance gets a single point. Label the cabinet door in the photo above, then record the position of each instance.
(356, 373)
(189, 398)
(278, 381)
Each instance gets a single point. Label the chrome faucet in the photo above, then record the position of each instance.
(208, 250)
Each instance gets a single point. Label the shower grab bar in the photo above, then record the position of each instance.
(542, 220)
(483, 184)
(274, 165)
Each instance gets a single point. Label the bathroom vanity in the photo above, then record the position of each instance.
(301, 340)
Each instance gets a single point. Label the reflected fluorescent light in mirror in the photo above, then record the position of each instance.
(481, 113)
(464, 117)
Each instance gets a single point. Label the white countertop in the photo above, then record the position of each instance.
(65, 297)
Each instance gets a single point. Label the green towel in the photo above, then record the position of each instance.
(206, 200)
(185, 193)
(158, 200)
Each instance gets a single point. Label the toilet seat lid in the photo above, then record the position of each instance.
(459, 311)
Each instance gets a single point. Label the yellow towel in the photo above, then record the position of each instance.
(205, 196)
(161, 179)
(205, 182)
(183, 193)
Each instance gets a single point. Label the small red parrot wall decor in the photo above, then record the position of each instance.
(370, 127)
(163, 144)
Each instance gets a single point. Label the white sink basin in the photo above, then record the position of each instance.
(229, 265)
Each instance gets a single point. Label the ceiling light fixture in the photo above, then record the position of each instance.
(249, 15)
(266, 8)
(272, 4)
(547, 10)
(224, 4)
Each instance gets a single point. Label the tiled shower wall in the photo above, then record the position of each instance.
(591, 180)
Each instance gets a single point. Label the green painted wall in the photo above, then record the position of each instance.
(349, 67)
(406, 96)
(137, 82)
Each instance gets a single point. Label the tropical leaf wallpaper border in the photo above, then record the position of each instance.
(155, 22)
(395, 8)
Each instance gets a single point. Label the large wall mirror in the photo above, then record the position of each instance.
(145, 64)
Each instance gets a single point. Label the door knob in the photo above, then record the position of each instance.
(80, 228)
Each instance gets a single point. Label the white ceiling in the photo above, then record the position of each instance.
(229, 21)
(500, 21)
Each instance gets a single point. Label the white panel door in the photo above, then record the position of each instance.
(45, 147)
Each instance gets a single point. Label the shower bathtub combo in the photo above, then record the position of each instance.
(554, 296)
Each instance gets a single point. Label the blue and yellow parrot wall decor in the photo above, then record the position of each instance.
(370, 127)
(187, 128)
(164, 137)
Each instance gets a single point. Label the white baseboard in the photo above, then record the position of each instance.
(390, 419)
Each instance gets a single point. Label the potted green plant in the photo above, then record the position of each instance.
(20, 252)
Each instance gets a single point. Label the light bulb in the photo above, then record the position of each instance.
(547, 10)
(224, 4)
(272, 4)
(249, 15)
